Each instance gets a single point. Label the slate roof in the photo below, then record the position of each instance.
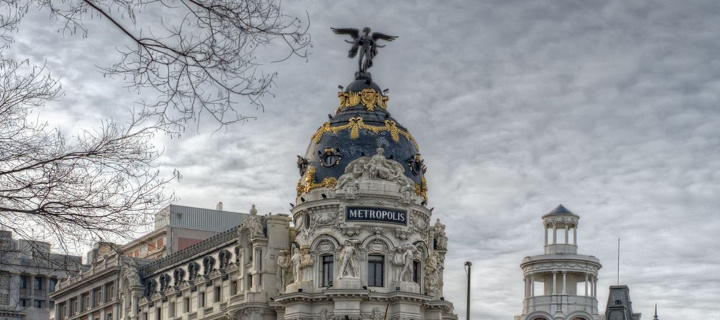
(560, 210)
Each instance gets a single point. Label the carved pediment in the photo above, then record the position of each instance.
(184, 285)
(156, 297)
(232, 267)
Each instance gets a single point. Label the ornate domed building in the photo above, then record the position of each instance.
(362, 245)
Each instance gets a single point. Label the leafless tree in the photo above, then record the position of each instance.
(200, 58)
(200, 61)
(96, 184)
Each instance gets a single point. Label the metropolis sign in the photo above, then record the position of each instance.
(376, 215)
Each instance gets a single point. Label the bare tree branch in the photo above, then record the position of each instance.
(203, 61)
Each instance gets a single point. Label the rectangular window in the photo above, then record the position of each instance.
(218, 294)
(158, 313)
(250, 280)
(171, 309)
(23, 302)
(53, 282)
(109, 292)
(233, 287)
(51, 304)
(98, 297)
(416, 271)
(327, 270)
(108, 316)
(23, 281)
(375, 271)
(39, 304)
(4, 280)
(186, 304)
(4, 299)
(201, 299)
(38, 283)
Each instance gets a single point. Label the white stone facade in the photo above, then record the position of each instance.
(361, 268)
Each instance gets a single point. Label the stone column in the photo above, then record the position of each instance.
(575, 235)
(595, 287)
(554, 291)
(546, 236)
(31, 286)
(567, 234)
(564, 291)
(586, 284)
(554, 233)
(532, 286)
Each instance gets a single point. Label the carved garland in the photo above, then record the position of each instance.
(356, 123)
(369, 98)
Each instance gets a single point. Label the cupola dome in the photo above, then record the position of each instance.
(360, 126)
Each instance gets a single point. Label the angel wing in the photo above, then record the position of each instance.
(382, 36)
(354, 33)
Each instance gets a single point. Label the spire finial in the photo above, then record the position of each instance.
(655, 317)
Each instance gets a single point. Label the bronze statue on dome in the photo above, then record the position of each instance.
(364, 44)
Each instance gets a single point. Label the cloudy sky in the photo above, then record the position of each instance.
(608, 107)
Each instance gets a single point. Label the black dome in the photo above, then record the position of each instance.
(360, 126)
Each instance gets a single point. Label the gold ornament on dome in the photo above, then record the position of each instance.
(356, 123)
(310, 183)
(421, 189)
(368, 97)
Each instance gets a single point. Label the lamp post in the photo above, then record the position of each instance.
(468, 265)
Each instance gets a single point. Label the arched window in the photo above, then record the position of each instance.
(178, 276)
(224, 257)
(208, 265)
(150, 287)
(164, 281)
(237, 254)
(192, 270)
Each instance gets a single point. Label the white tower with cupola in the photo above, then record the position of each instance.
(560, 284)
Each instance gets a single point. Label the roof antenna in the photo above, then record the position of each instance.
(618, 265)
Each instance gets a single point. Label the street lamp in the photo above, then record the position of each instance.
(468, 265)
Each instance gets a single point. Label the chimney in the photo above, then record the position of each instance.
(218, 206)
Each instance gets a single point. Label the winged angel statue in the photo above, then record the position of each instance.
(365, 44)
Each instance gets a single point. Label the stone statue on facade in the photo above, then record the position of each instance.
(253, 223)
(398, 261)
(382, 168)
(365, 45)
(283, 262)
(409, 254)
(433, 273)
(353, 172)
(349, 260)
(306, 263)
(376, 167)
(440, 237)
(296, 261)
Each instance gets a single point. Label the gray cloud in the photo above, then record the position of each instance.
(610, 108)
